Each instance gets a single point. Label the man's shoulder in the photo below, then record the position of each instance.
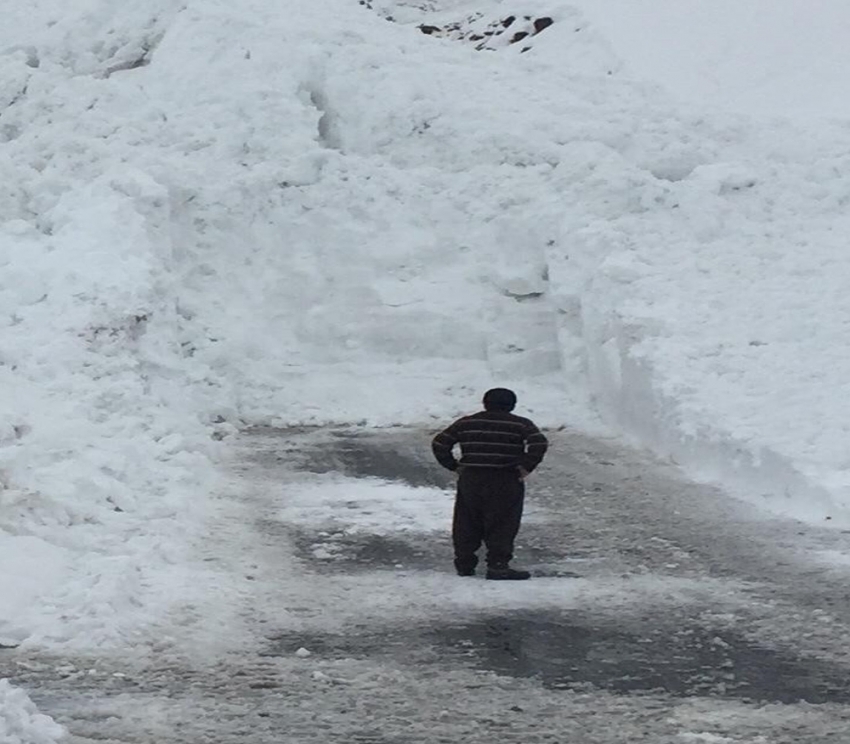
(461, 422)
(496, 417)
(519, 419)
(468, 419)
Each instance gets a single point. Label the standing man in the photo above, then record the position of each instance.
(498, 451)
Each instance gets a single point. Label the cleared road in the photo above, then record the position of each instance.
(703, 620)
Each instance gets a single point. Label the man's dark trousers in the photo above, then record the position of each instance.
(488, 509)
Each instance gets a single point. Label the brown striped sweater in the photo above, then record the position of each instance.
(491, 439)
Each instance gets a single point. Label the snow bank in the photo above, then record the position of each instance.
(102, 445)
(711, 299)
(20, 721)
(712, 335)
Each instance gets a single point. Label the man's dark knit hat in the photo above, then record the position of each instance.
(499, 399)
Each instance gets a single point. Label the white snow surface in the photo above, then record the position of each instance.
(20, 721)
(214, 215)
(778, 58)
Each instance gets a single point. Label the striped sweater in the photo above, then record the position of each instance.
(491, 439)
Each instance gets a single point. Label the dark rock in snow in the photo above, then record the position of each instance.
(541, 24)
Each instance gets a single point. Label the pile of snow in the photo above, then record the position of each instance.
(104, 440)
(20, 721)
(219, 215)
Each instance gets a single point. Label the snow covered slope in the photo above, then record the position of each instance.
(215, 215)
(761, 56)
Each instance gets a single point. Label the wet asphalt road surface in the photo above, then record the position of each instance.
(610, 516)
(756, 649)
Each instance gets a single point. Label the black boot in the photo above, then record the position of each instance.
(506, 573)
(466, 566)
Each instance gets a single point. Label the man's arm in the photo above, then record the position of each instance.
(535, 447)
(442, 446)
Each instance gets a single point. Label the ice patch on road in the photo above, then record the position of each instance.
(397, 596)
(332, 587)
(366, 505)
(832, 560)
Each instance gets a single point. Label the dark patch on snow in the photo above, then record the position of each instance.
(476, 29)
(541, 24)
(580, 653)
(687, 661)
(363, 456)
(353, 552)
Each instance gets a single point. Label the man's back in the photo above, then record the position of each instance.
(498, 449)
(491, 439)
